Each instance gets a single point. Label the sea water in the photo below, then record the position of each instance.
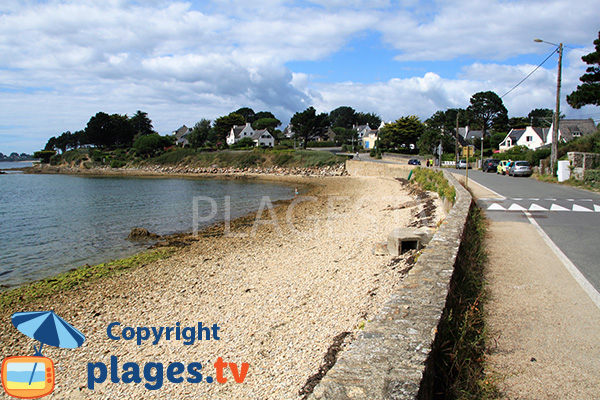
(52, 223)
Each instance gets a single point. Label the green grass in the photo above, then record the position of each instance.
(434, 181)
(77, 277)
(245, 159)
(462, 338)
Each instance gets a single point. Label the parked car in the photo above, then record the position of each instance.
(502, 167)
(414, 161)
(520, 168)
(462, 164)
(490, 164)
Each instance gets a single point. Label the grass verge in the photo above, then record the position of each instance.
(77, 277)
(462, 337)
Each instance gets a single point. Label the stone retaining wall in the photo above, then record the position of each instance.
(390, 358)
(581, 162)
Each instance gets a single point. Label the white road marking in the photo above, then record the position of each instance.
(580, 208)
(516, 207)
(575, 273)
(556, 207)
(535, 207)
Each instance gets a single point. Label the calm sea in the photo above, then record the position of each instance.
(52, 223)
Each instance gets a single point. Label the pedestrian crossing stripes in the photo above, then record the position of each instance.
(508, 205)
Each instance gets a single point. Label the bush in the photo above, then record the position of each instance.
(434, 181)
(44, 155)
(151, 144)
(321, 144)
(98, 156)
(592, 177)
(117, 164)
(244, 143)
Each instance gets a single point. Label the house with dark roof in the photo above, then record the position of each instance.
(569, 129)
(534, 138)
(180, 136)
(261, 137)
(530, 137)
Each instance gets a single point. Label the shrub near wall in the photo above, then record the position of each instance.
(434, 181)
(592, 177)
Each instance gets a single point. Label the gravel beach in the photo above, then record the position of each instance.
(283, 288)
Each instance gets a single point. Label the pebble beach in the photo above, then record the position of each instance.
(284, 288)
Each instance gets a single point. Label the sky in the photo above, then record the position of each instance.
(62, 61)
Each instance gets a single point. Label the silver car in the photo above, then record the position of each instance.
(520, 168)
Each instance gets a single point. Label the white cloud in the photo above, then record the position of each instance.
(61, 61)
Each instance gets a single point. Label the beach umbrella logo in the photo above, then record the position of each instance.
(32, 377)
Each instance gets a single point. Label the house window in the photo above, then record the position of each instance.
(529, 138)
(508, 142)
(576, 134)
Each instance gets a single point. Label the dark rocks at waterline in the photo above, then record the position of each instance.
(142, 234)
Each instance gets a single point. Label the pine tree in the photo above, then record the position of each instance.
(589, 91)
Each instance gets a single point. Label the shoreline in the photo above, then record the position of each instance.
(303, 182)
(208, 172)
(176, 240)
(281, 292)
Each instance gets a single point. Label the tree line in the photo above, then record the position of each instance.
(486, 112)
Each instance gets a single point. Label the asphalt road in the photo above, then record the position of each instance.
(569, 216)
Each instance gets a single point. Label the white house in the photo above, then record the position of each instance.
(238, 132)
(530, 137)
(362, 130)
(261, 137)
(534, 138)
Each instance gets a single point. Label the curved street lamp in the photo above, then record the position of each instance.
(555, 122)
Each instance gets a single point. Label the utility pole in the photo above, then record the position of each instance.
(554, 150)
(456, 147)
(556, 117)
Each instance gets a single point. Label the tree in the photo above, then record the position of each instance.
(264, 114)
(540, 117)
(589, 91)
(518, 122)
(200, 133)
(148, 145)
(44, 155)
(444, 122)
(248, 114)
(141, 123)
(309, 125)
(223, 125)
(266, 123)
(345, 135)
(109, 130)
(342, 117)
(496, 139)
(487, 109)
(372, 119)
(402, 135)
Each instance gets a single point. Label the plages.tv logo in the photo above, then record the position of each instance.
(32, 377)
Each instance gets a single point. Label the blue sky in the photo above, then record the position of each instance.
(62, 61)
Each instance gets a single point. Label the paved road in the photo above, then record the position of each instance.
(569, 216)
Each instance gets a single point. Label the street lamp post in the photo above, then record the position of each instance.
(555, 122)
(482, 151)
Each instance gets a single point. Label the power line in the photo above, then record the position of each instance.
(524, 79)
